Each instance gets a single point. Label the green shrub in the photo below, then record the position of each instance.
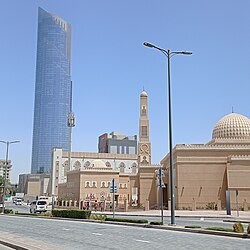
(238, 228)
(210, 206)
(98, 217)
(220, 229)
(77, 214)
(8, 211)
(192, 226)
(248, 229)
(127, 220)
(156, 223)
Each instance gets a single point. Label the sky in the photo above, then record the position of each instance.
(111, 67)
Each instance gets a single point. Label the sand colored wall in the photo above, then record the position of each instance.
(204, 173)
(148, 189)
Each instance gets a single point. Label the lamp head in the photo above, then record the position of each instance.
(187, 52)
(148, 45)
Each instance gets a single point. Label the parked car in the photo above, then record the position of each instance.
(18, 201)
(38, 206)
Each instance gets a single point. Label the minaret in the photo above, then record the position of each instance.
(144, 146)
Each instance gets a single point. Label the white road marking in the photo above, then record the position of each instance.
(65, 229)
(96, 234)
(145, 241)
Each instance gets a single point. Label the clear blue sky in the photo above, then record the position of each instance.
(110, 67)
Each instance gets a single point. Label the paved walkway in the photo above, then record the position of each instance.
(243, 215)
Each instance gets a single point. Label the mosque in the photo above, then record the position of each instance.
(206, 176)
(209, 175)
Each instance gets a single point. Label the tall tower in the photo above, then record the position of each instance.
(52, 90)
(144, 146)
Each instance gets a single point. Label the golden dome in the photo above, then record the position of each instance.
(232, 126)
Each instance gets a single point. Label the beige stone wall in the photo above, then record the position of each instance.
(204, 173)
(148, 190)
(33, 188)
(70, 190)
(200, 182)
(96, 189)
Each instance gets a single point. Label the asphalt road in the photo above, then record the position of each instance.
(37, 233)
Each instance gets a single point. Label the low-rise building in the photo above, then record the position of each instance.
(3, 169)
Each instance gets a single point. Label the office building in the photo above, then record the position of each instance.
(116, 143)
(3, 168)
(53, 90)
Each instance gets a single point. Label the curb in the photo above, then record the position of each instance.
(11, 245)
(237, 220)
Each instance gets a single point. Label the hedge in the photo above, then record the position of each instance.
(220, 229)
(156, 223)
(127, 220)
(192, 226)
(77, 214)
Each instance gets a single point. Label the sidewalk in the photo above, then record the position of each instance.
(243, 215)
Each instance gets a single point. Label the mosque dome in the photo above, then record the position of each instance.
(232, 126)
(144, 93)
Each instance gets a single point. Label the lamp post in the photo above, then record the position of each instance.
(71, 124)
(5, 176)
(169, 54)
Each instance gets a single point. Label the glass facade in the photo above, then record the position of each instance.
(53, 90)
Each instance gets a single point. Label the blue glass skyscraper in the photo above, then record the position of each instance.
(53, 90)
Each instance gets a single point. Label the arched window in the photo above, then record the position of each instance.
(122, 167)
(77, 165)
(108, 165)
(103, 184)
(134, 168)
(87, 164)
(66, 167)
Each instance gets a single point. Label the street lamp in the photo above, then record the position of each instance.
(5, 176)
(71, 124)
(169, 54)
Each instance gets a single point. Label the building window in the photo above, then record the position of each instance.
(122, 167)
(144, 110)
(103, 184)
(144, 131)
(77, 165)
(86, 164)
(94, 185)
(66, 167)
(134, 168)
(108, 165)
(87, 184)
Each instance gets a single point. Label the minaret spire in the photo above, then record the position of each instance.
(144, 146)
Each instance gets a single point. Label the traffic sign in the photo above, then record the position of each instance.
(113, 190)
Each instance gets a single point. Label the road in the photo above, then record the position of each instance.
(38, 233)
(18, 208)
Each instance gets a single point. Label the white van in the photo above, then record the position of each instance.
(38, 206)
